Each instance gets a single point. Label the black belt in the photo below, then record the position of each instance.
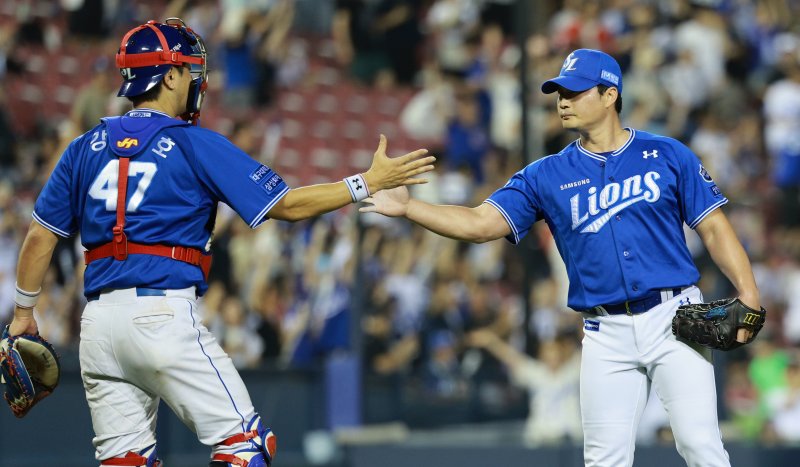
(140, 292)
(634, 307)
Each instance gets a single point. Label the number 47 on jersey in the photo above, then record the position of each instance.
(104, 187)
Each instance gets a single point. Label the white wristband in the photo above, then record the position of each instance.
(357, 185)
(25, 299)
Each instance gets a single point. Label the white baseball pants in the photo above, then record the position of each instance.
(136, 350)
(621, 361)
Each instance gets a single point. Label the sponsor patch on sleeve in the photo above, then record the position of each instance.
(715, 189)
(273, 182)
(704, 173)
(259, 174)
(591, 325)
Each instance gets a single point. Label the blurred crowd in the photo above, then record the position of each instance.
(446, 319)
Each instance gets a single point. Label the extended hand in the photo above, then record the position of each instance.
(392, 203)
(387, 172)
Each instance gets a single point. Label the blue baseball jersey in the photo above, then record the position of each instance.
(177, 174)
(617, 218)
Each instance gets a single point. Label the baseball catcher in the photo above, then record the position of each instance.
(30, 370)
(715, 325)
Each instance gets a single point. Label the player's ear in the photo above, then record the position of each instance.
(171, 78)
(610, 96)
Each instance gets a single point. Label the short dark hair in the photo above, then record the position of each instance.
(153, 93)
(602, 88)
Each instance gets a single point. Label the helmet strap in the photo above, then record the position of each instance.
(164, 57)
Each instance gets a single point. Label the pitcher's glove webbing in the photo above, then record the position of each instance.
(714, 325)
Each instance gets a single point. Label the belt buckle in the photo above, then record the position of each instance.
(599, 310)
(628, 308)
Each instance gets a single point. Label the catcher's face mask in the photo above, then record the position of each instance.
(198, 69)
(149, 50)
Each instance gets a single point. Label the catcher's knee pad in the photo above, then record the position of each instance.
(253, 448)
(147, 457)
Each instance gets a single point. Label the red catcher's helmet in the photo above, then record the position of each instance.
(148, 51)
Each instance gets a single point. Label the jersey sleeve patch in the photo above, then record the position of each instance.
(272, 183)
(259, 173)
(704, 173)
(265, 177)
(697, 193)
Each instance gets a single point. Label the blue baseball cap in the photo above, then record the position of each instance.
(584, 69)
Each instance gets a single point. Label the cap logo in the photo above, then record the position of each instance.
(569, 63)
(608, 76)
(127, 73)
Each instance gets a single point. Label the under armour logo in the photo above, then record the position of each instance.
(355, 181)
(653, 154)
(569, 63)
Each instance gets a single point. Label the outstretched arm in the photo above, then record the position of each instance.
(34, 259)
(728, 253)
(479, 224)
(385, 172)
(502, 351)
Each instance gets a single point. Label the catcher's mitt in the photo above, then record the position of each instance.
(714, 325)
(30, 370)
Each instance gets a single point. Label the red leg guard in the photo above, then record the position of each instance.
(230, 459)
(255, 447)
(130, 460)
(136, 459)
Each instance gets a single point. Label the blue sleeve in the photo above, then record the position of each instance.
(54, 207)
(250, 188)
(518, 202)
(698, 193)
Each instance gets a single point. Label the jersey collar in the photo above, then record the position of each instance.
(601, 157)
(144, 112)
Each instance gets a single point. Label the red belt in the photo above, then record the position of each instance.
(121, 250)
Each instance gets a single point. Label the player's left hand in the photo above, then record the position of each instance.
(389, 172)
(743, 335)
(30, 370)
(23, 325)
(724, 324)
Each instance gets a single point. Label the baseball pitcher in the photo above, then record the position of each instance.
(616, 200)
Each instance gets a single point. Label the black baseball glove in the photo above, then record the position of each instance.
(714, 325)
(29, 368)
